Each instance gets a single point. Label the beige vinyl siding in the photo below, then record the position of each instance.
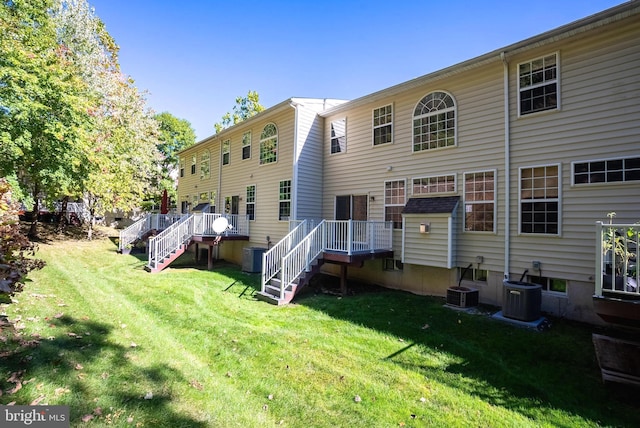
(239, 174)
(307, 195)
(600, 100)
(480, 146)
(435, 248)
(192, 184)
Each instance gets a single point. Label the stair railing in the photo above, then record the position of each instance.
(300, 258)
(272, 258)
(133, 232)
(170, 240)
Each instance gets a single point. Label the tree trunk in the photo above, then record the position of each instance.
(33, 230)
(62, 216)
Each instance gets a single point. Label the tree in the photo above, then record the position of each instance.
(175, 135)
(16, 251)
(122, 146)
(245, 108)
(44, 111)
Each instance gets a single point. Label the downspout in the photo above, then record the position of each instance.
(219, 189)
(507, 167)
(294, 179)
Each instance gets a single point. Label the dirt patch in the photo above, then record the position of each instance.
(51, 232)
(329, 284)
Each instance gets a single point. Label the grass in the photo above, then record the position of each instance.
(192, 348)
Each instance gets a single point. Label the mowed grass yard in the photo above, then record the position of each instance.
(193, 348)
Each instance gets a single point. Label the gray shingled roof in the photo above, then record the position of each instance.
(437, 205)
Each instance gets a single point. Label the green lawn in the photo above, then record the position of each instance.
(189, 348)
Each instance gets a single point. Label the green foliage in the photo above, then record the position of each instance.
(44, 111)
(174, 135)
(121, 147)
(16, 252)
(245, 108)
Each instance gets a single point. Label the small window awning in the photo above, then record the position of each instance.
(438, 205)
(201, 208)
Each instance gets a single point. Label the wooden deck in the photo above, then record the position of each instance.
(355, 259)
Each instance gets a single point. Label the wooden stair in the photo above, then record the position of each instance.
(271, 293)
(168, 260)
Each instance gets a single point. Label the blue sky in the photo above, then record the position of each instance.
(194, 57)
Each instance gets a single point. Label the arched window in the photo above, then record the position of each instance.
(269, 144)
(434, 122)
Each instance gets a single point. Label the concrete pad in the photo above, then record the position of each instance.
(540, 324)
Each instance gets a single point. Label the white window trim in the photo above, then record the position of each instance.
(520, 232)
(285, 200)
(345, 136)
(373, 127)
(246, 145)
(205, 175)
(558, 87)
(226, 143)
(606, 183)
(495, 202)
(262, 140)
(455, 185)
(384, 199)
(255, 195)
(455, 122)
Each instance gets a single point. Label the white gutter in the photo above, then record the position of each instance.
(507, 168)
(294, 180)
(219, 190)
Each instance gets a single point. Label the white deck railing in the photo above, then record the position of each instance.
(182, 231)
(300, 258)
(169, 240)
(616, 259)
(148, 222)
(272, 258)
(346, 236)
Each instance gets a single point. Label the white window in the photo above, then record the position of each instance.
(394, 202)
(339, 135)
(285, 200)
(479, 201)
(269, 144)
(477, 275)
(434, 184)
(549, 285)
(226, 152)
(606, 171)
(246, 145)
(194, 162)
(182, 167)
(434, 122)
(383, 125)
(540, 200)
(204, 165)
(251, 202)
(538, 85)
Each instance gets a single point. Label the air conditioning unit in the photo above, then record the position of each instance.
(521, 300)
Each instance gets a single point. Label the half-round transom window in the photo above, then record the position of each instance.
(434, 122)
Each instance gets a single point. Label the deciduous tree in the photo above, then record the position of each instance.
(245, 108)
(44, 111)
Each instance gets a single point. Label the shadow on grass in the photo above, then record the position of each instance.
(522, 370)
(67, 365)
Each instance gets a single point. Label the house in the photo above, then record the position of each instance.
(494, 168)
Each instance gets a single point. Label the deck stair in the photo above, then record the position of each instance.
(170, 244)
(291, 263)
(145, 227)
(173, 241)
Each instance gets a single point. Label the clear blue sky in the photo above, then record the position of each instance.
(194, 57)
